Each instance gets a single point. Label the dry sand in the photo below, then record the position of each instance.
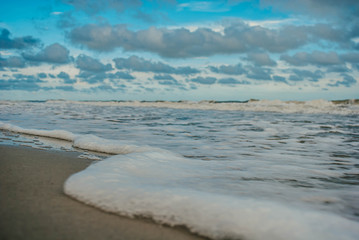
(33, 205)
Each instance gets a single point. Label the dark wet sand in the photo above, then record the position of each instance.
(33, 205)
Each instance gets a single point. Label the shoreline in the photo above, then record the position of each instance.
(33, 205)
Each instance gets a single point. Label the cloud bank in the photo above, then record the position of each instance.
(236, 38)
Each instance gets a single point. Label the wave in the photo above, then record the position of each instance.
(171, 189)
(85, 141)
(345, 107)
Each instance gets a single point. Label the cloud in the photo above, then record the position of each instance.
(101, 37)
(16, 43)
(295, 78)
(330, 33)
(21, 82)
(238, 37)
(86, 63)
(352, 57)
(163, 77)
(56, 13)
(347, 81)
(333, 61)
(66, 78)
(231, 81)
(42, 75)
(107, 88)
(186, 70)
(92, 77)
(204, 80)
(228, 69)
(54, 53)
(8, 85)
(256, 72)
(338, 69)
(120, 75)
(259, 73)
(24, 77)
(12, 62)
(63, 75)
(142, 65)
(279, 79)
(66, 88)
(100, 77)
(166, 79)
(261, 59)
(317, 58)
(317, 8)
(301, 75)
(173, 82)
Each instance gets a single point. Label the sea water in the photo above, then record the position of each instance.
(256, 170)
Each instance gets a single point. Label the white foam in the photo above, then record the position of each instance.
(167, 188)
(97, 144)
(57, 134)
(85, 141)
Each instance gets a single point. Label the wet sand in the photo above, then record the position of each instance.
(33, 205)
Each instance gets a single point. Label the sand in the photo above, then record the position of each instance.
(33, 205)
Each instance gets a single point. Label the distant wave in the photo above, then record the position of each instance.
(342, 107)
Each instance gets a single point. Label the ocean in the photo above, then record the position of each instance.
(224, 170)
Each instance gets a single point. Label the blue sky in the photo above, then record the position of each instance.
(179, 50)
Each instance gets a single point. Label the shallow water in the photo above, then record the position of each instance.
(298, 162)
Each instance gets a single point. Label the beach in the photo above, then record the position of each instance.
(33, 205)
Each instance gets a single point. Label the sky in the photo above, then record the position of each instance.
(179, 50)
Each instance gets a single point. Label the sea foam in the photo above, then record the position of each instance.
(57, 134)
(153, 185)
(97, 144)
(82, 141)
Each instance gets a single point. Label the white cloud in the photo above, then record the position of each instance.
(5, 53)
(56, 13)
(204, 6)
(272, 24)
